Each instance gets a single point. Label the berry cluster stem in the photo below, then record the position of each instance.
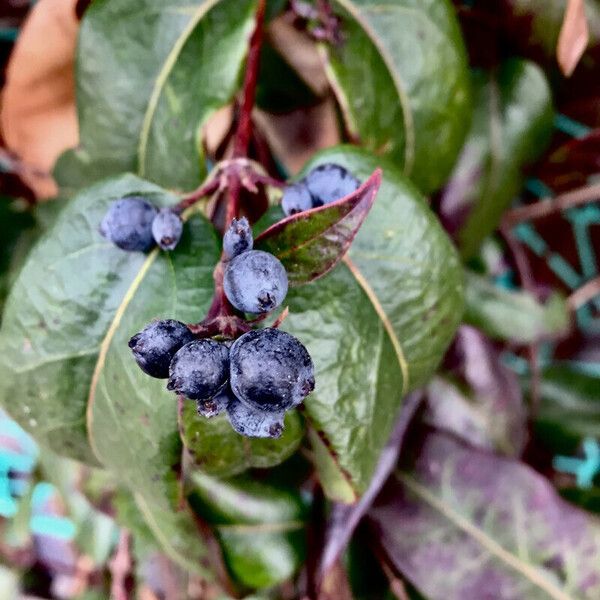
(221, 317)
(244, 129)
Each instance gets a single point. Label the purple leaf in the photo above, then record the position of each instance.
(467, 525)
(311, 243)
(344, 518)
(479, 399)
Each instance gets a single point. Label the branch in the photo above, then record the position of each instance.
(548, 206)
(584, 294)
(121, 569)
(528, 283)
(244, 129)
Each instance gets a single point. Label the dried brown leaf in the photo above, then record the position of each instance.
(38, 116)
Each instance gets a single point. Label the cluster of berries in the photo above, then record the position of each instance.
(323, 185)
(255, 379)
(263, 373)
(134, 224)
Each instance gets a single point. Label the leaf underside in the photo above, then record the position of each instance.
(503, 527)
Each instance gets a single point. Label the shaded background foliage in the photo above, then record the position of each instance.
(458, 391)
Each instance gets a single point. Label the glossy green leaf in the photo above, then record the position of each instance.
(569, 408)
(63, 349)
(181, 60)
(512, 124)
(376, 326)
(217, 449)
(464, 524)
(516, 316)
(400, 77)
(312, 242)
(261, 527)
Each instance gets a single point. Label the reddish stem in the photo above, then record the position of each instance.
(528, 283)
(210, 187)
(244, 129)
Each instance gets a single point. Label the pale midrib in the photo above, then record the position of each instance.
(407, 115)
(162, 78)
(525, 569)
(372, 296)
(167, 546)
(286, 527)
(105, 345)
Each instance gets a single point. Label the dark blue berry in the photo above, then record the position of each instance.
(296, 198)
(270, 370)
(237, 238)
(253, 422)
(199, 370)
(255, 282)
(154, 347)
(167, 228)
(128, 224)
(216, 405)
(330, 182)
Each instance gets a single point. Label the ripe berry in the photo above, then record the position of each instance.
(199, 370)
(330, 182)
(216, 405)
(270, 370)
(167, 228)
(128, 224)
(253, 422)
(255, 282)
(238, 238)
(154, 347)
(296, 198)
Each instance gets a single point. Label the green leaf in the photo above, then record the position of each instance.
(515, 316)
(512, 124)
(465, 524)
(377, 326)
(181, 60)
(63, 349)
(261, 527)
(401, 79)
(217, 449)
(311, 243)
(569, 408)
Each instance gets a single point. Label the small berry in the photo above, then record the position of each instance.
(167, 228)
(128, 224)
(270, 370)
(154, 347)
(255, 282)
(253, 422)
(296, 198)
(216, 405)
(237, 238)
(330, 182)
(199, 370)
